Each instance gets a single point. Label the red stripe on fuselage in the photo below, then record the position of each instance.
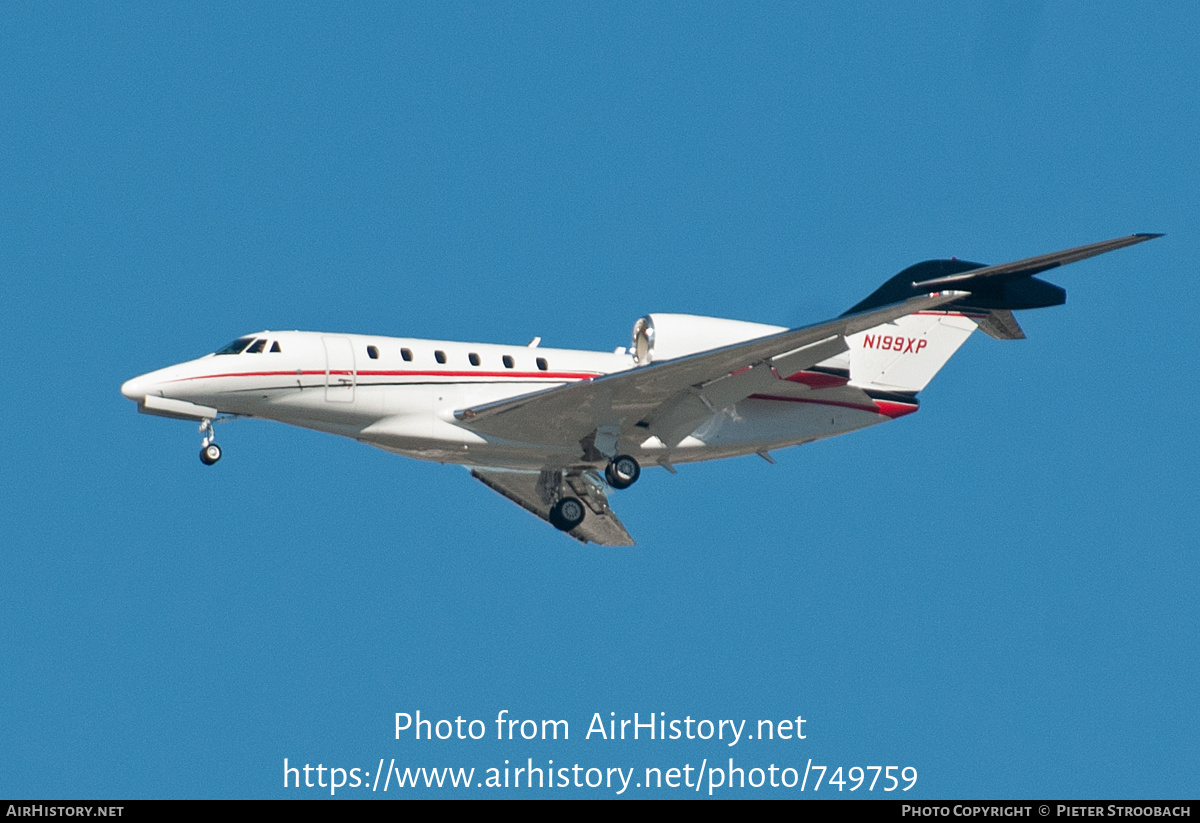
(818, 380)
(893, 409)
(537, 375)
(888, 408)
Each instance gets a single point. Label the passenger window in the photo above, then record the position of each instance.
(372, 352)
(406, 354)
(508, 362)
(439, 356)
(257, 347)
(542, 364)
(275, 347)
(474, 358)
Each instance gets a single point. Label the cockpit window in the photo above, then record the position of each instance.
(275, 347)
(237, 346)
(257, 347)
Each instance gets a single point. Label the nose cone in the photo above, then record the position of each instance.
(159, 383)
(135, 389)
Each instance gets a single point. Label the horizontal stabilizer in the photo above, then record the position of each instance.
(1004, 287)
(1036, 265)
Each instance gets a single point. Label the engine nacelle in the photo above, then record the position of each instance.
(666, 336)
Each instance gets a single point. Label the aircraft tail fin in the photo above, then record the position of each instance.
(903, 355)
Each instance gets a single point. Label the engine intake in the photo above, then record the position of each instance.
(667, 336)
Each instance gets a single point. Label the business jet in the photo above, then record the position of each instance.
(554, 430)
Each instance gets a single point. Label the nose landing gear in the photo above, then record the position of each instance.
(210, 452)
(622, 471)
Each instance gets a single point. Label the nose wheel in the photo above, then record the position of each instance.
(622, 471)
(210, 452)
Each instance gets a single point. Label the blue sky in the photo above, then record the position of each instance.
(999, 591)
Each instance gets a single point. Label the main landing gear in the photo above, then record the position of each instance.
(210, 452)
(622, 471)
(566, 514)
(568, 511)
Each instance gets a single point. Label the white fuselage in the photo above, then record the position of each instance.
(400, 394)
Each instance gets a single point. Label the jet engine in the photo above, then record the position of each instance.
(667, 336)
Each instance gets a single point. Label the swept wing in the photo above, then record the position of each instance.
(668, 399)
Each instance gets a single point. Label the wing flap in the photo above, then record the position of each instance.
(676, 418)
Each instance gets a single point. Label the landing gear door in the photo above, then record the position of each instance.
(340, 374)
